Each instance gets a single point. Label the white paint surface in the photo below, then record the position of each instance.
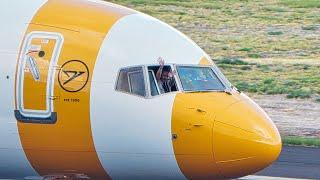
(14, 17)
(138, 128)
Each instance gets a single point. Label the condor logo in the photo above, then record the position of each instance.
(73, 76)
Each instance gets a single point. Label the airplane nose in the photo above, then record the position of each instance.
(245, 140)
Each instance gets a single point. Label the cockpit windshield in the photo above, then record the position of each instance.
(198, 78)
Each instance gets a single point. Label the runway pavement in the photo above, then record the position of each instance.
(295, 162)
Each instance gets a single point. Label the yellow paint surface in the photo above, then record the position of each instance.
(37, 99)
(253, 142)
(193, 121)
(67, 146)
(220, 135)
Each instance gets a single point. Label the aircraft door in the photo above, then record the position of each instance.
(35, 77)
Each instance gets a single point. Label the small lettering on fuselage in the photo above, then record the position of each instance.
(71, 100)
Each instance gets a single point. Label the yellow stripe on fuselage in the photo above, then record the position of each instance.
(67, 146)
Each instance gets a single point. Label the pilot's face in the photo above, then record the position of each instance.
(166, 75)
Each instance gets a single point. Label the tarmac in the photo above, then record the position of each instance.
(293, 163)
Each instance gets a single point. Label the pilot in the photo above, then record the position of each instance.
(165, 78)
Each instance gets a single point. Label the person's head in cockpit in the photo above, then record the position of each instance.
(165, 78)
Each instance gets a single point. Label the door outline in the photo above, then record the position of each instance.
(31, 115)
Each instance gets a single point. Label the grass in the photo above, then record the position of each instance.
(232, 61)
(295, 80)
(301, 141)
(275, 33)
(246, 49)
(309, 28)
(301, 3)
(254, 55)
(275, 9)
(262, 26)
(240, 34)
(300, 93)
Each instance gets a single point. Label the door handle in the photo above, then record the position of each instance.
(54, 98)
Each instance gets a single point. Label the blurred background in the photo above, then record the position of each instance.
(267, 49)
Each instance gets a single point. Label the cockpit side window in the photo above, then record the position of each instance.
(165, 82)
(131, 80)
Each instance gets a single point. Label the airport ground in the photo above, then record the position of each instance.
(295, 162)
(293, 117)
(269, 49)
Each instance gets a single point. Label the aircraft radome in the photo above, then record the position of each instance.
(91, 89)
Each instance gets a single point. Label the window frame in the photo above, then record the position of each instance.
(144, 78)
(212, 67)
(177, 81)
(129, 81)
(155, 80)
(145, 70)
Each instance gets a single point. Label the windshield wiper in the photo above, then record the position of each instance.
(203, 91)
(225, 91)
(233, 87)
(198, 91)
(228, 92)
